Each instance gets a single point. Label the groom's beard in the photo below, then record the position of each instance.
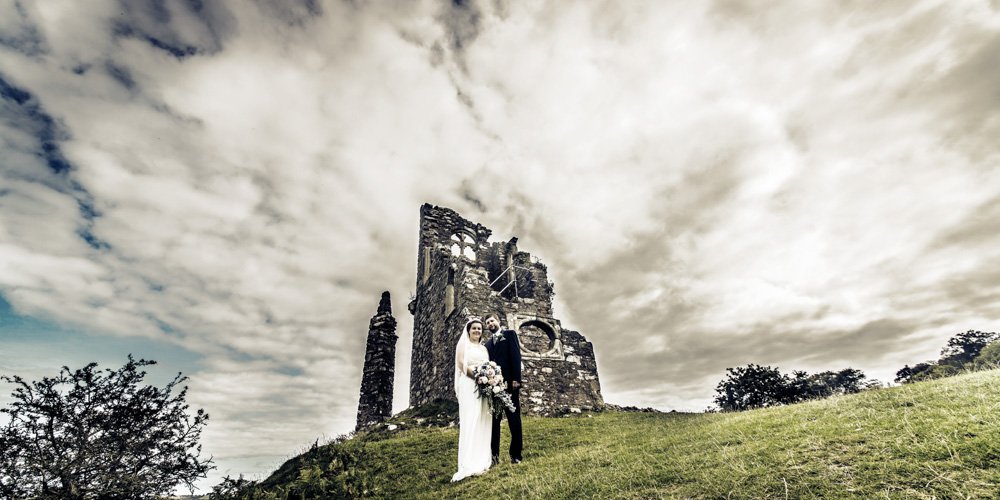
(493, 328)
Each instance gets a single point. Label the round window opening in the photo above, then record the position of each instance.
(536, 337)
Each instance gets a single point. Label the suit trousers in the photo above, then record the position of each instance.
(514, 422)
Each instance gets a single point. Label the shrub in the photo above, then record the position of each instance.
(989, 357)
(90, 433)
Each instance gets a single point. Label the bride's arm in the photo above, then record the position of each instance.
(460, 360)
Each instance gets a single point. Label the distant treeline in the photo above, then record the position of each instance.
(754, 386)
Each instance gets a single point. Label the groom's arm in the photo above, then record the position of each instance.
(515, 356)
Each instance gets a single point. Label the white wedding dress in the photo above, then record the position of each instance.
(474, 418)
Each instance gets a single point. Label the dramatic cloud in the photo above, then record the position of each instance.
(811, 186)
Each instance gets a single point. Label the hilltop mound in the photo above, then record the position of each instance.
(939, 438)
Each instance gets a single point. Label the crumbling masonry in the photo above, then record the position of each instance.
(461, 274)
(375, 404)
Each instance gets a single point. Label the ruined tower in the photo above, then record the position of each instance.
(375, 404)
(461, 274)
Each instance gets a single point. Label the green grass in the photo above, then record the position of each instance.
(931, 439)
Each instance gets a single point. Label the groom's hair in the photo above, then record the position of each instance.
(492, 315)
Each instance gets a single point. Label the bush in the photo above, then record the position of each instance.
(336, 470)
(908, 374)
(232, 489)
(989, 357)
(935, 372)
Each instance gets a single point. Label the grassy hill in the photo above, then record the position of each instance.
(931, 439)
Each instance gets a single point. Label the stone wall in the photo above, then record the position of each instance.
(461, 274)
(375, 403)
(565, 384)
(447, 244)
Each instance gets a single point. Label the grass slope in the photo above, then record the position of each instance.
(931, 439)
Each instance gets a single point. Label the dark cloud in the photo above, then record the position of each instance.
(25, 37)
(699, 355)
(179, 28)
(979, 227)
(12, 93)
(914, 27)
(969, 94)
(975, 293)
(295, 13)
(122, 75)
(462, 22)
(437, 54)
(468, 190)
(864, 345)
(22, 111)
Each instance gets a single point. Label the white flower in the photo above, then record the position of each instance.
(497, 389)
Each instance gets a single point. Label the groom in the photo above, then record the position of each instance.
(505, 350)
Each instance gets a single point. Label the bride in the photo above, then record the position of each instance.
(474, 418)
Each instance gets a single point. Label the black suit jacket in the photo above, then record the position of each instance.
(507, 355)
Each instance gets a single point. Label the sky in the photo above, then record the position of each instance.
(227, 188)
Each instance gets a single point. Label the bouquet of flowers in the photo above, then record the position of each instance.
(490, 385)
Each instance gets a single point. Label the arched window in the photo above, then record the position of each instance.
(463, 245)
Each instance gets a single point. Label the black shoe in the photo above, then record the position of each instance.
(515, 460)
(495, 460)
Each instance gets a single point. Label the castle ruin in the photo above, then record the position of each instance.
(461, 274)
(375, 404)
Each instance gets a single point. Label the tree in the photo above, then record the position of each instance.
(93, 433)
(964, 347)
(754, 386)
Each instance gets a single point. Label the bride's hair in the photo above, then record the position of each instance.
(468, 325)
